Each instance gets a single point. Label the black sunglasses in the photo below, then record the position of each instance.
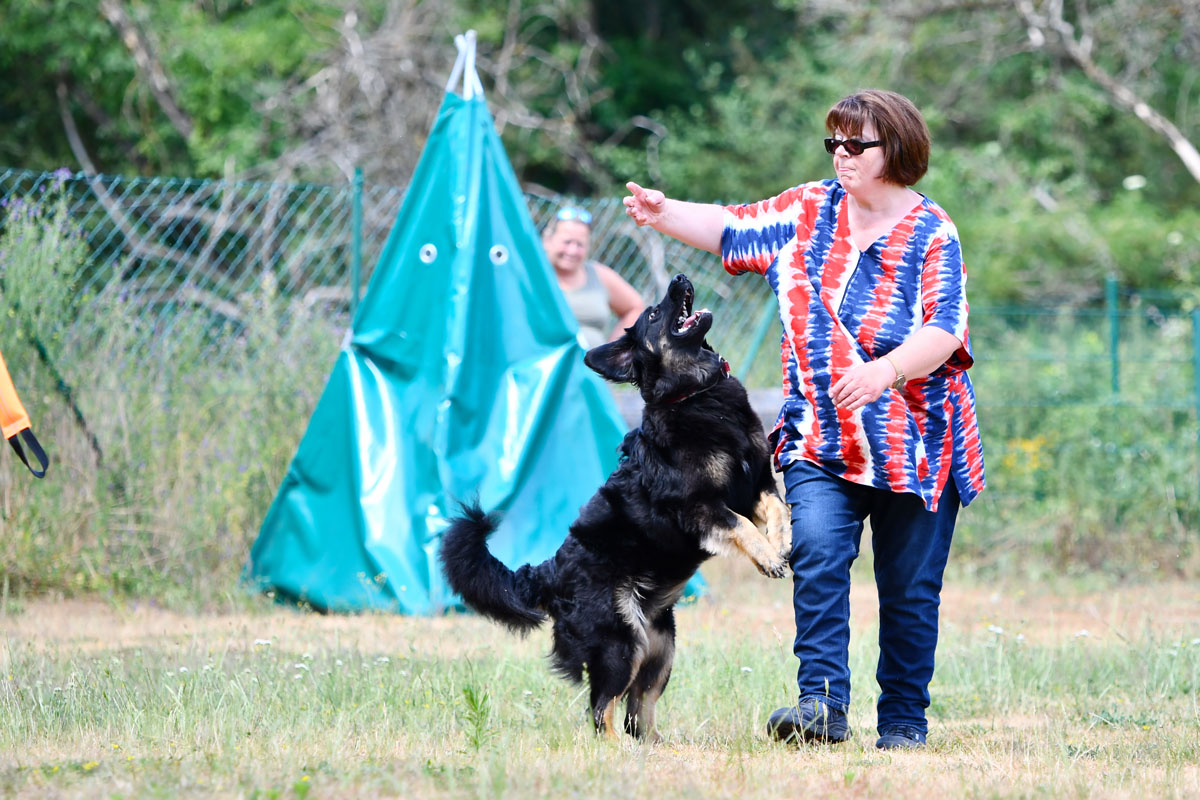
(853, 147)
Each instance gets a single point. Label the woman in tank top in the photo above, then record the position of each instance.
(595, 292)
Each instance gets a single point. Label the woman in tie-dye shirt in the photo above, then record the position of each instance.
(878, 420)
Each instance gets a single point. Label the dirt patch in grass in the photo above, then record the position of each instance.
(739, 601)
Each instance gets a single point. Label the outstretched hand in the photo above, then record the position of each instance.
(645, 206)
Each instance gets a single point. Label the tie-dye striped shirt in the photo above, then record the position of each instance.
(840, 307)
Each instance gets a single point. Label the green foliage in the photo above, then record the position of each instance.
(193, 454)
(224, 61)
(750, 141)
(229, 64)
(665, 56)
(53, 44)
(1030, 158)
(725, 102)
(1084, 478)
(40, 254)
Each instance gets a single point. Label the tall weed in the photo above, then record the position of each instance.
(195, 432)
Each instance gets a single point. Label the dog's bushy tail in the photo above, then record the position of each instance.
(485, 584)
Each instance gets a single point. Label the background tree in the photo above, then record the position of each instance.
(1064, 132)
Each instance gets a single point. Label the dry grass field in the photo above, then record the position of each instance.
(1062, 690)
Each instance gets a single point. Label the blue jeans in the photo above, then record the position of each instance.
(910, 545)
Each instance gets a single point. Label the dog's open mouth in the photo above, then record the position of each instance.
(686, 319)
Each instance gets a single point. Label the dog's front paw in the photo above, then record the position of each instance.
(775, 517)
(774, 569)
(784, 538)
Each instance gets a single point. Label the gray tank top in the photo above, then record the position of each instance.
(589, 304)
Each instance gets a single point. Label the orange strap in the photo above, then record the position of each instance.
(14, 423)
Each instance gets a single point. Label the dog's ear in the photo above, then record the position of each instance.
(614, 360)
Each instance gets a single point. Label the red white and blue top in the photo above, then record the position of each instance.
(840, 307)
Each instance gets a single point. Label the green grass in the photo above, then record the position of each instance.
(1025, 705)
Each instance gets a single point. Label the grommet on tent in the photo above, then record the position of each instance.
(498, 254)
(428, 253)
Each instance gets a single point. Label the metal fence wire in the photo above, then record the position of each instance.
(186, 253)
(209, 245)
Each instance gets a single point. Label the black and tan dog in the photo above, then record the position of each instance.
(694, 481)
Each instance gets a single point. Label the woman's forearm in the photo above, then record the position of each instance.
(923, 352)
(697, 224)
(919, 355)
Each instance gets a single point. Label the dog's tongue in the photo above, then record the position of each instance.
(692, 320)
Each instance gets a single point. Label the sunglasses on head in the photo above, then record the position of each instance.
(574, 214)
(853, 147)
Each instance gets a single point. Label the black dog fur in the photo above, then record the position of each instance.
(694, 481)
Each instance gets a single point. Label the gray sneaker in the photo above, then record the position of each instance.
(811, 720)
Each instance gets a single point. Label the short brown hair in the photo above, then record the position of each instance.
(899, 126)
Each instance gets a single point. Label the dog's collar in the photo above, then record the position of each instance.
(722, 375)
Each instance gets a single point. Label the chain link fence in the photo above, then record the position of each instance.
(211, 246)
(1092, 406)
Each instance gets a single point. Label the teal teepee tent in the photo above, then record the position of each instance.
(462, 377)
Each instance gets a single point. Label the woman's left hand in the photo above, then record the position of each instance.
(862, 384)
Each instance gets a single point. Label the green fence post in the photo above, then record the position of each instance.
(356, 244)
(1114, 333)
(1196, 375)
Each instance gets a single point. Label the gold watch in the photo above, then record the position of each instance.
(900, 377)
